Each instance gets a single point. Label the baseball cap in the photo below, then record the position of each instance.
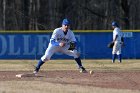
(115, 24)
(65, 22)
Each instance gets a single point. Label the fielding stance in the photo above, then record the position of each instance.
(60, 42)
(118, 42)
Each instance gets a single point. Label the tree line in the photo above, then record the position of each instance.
(83, 14)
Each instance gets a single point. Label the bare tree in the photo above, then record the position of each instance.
(84, 14)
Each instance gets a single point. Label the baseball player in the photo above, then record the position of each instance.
(60, 42)
(118, 42)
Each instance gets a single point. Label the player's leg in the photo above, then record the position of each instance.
(40, 63)
(76, 56)
(48, 53)
(113, 57)
(78, 60)
(120, 58)
(114, 51)
(119, 53)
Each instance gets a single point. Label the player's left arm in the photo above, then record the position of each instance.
(73, 42)
(72, 45)
(122, 40)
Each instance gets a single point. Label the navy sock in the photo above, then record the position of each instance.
(78, 60)
(113, 57)
(40, 63)
(120, 57)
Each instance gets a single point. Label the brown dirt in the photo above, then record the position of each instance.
(118, 80)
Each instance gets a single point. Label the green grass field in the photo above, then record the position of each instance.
(44, 87)
(105, 65)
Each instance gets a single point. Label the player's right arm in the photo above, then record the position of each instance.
(116, 36)
(53, 42)
(54, 38)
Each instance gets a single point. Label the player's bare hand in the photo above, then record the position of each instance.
(62, 44)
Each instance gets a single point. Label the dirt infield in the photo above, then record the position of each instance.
(118, 80)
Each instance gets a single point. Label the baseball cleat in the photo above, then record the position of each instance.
(83, 70)
(120, 62)
(35, 71)
(113, 61)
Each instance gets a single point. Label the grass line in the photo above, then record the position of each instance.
(126, 65)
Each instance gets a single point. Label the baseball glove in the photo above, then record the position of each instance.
(72, 46)
(110, 45)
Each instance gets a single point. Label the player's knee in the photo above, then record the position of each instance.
(77, 55)
(44, 59)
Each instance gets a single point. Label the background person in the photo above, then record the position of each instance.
(118, 42)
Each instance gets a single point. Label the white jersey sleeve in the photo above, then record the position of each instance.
(54, 34)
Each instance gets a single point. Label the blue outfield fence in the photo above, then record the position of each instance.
(91, 45)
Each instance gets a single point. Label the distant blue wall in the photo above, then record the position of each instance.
(92, 45)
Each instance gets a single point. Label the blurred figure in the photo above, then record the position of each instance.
(118, 42)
